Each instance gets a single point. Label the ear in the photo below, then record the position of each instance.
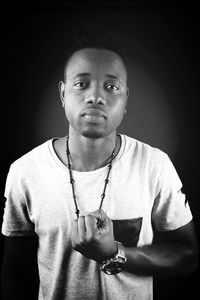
(61, 88)
(127, 94)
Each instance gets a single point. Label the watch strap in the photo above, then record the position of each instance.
(115, 264)
(121, 251)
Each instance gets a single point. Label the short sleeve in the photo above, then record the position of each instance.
(170, 210)
(16, 221)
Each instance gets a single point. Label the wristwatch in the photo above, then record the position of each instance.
(115, 264)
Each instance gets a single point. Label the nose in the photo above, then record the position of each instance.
(95, 100)
(95, 97)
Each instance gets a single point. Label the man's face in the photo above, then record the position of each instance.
(95, 92)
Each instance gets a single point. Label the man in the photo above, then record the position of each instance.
(102, 211)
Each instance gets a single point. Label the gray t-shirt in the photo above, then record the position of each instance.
(144, 191)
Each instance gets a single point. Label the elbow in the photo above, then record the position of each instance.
(195, 260)
(191, 261)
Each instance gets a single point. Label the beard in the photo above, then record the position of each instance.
(91, 130)
(92, 133)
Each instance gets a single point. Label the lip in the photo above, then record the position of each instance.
(94, 112)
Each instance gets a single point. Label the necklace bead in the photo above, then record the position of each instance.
(72, 181)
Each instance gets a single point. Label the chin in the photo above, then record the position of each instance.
(93, 134)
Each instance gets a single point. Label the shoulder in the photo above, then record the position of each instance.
(31, 159)
(143, 151)
(149, 161)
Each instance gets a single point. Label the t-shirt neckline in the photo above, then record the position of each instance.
(80, 173)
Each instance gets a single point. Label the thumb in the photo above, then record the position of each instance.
(99, 214)
(103, 220)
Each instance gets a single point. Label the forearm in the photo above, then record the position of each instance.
(173, 252)
(19, 285)
(19, 274)
(160, 260)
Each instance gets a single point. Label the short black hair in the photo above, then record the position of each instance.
(93, 38)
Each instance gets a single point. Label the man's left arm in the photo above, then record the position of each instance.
(173, 252)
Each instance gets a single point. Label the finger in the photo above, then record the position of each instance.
(99, 214)
(91, 226)
(102, 219)
(74, 233)
(81, 229)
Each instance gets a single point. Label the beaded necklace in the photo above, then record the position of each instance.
(72, 181)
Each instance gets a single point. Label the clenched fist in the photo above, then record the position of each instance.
(92, 235)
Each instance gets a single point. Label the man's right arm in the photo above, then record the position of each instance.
(19, 276)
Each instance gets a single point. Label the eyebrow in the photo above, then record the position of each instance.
(81, 74)
(88, 74)
(112, 76)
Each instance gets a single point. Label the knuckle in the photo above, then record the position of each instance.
(89, 217)
(74, 226)
(82, 242)
(74, 222)
(81, 218)
(89, 238)
(74, 244)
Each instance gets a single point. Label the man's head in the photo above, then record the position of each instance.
(92, 39)
(95, 90)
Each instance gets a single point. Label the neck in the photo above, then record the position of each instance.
(90, 154)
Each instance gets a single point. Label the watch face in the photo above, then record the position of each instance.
(113, 267)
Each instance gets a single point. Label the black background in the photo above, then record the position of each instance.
(161, 36)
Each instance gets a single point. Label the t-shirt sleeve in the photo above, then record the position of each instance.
(170, 210)
(16, 220)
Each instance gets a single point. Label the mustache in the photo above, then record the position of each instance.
(94, 111)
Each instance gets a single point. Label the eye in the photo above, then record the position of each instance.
(80, 85)
(112, 87)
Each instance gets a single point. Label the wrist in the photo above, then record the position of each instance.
(113, 252)
(115, 264)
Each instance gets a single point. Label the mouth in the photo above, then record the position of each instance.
(94, 115)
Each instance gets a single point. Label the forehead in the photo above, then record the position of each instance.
(96, 61)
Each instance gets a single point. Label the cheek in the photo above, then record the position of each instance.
(71, 104)
(116, 115)
(118, 107)
(70, 110)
